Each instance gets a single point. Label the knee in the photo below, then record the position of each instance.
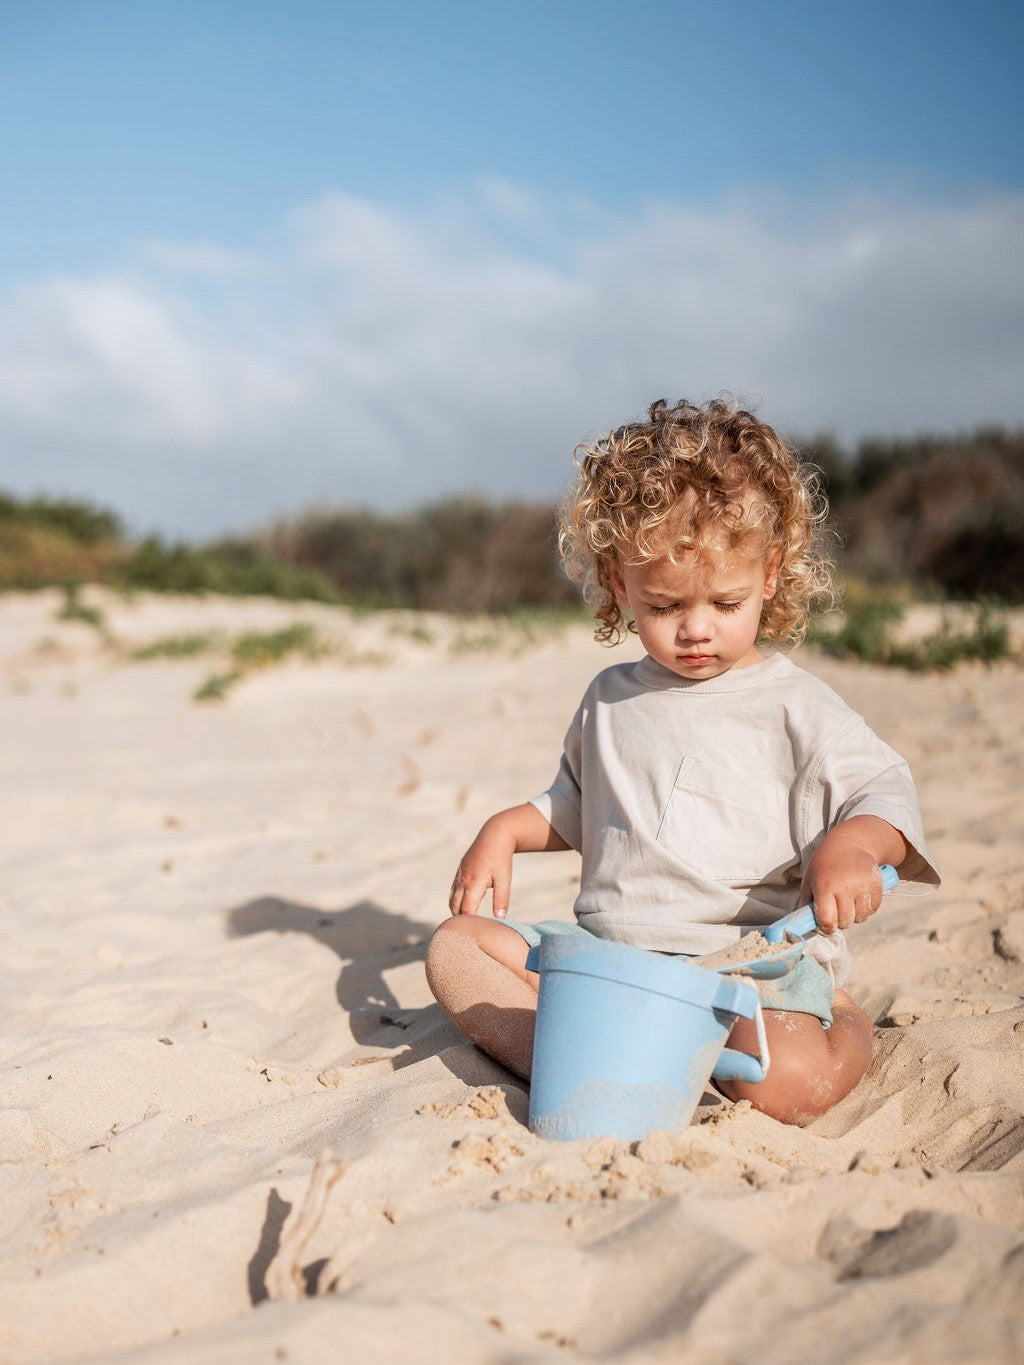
(795, 1090)
(801, 1085)
(455, 938)
(450, 943)
(455, 927)
(467, 949)
(791, 1092)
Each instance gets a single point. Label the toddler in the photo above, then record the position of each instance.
(711, 787)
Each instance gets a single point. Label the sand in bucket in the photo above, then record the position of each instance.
(752, 947)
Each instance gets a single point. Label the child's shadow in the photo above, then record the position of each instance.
(370, 941)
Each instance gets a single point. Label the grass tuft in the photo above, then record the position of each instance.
(256, 650)
(74, 609)
(174, 647)
(261, 649)
(216, 687)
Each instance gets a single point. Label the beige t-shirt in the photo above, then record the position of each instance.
(697, 805)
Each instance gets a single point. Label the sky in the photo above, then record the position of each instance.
(258, 257)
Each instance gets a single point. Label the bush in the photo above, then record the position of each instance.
(867, 633)
(80, 522)
(942, 513)
(234, 568)
(864, 632)
(946, 513)
(42, 556)
(463, 554)
(173, 647)
(261, 649)
(74, 609)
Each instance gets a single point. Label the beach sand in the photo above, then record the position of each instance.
(234, 1126)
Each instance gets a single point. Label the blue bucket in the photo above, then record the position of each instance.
(627, 1040)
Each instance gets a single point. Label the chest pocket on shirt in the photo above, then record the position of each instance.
(728, 831)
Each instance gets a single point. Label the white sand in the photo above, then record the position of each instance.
(214, 914)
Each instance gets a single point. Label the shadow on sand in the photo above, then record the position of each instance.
(369, 942)
(368, 939)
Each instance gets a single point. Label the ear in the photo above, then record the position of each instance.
(772, 564)
(618, 583)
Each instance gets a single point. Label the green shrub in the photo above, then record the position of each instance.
(233, 568)
(74, 609)
(216, 688)
(80, 522)
(942, 513)
(33, 556)
(461, 554)
(986, 639)
(260, 649)
(863, 632)
(256, 650)
(174, 647)
(867, 633)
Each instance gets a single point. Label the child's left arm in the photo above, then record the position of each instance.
(842, 877)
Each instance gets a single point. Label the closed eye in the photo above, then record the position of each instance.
(666, 609)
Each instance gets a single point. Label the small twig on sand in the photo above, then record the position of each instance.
(284, 1278)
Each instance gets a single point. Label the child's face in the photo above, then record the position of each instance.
(699, 616)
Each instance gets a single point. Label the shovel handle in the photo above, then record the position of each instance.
(802, 922)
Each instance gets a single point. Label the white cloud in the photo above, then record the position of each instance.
(375, 356)
(114, 357)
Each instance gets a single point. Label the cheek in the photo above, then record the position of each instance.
(657, 627)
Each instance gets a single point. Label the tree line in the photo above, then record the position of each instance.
(941, 515)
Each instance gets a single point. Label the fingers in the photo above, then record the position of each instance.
(840, 908)
(826, 914)
(867, 902)
(501, 885)
(463, 901)
(469, 889)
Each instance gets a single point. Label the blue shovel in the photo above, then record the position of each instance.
(798, 925)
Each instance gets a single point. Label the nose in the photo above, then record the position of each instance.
(695, 627)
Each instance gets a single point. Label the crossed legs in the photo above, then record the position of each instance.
(476, 968)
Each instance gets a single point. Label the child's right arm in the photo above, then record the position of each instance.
(488, 860)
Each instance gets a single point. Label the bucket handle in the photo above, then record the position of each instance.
(741, 1066)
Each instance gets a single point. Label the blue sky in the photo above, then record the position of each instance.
(256, 256)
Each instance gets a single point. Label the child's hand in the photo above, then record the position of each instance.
(488, 860)
(486, 863)
(843, 878)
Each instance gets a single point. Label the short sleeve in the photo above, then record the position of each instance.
(561, 803)
(861, 775)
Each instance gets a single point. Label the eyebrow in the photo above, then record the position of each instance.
(737, 591)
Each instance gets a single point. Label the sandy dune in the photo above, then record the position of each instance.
(215, 917)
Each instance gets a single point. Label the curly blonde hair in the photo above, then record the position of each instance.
(687, 480)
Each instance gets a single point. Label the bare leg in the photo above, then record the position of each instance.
(476, 969)
(812, 1068)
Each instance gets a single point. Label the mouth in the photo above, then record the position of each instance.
(696, 660)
